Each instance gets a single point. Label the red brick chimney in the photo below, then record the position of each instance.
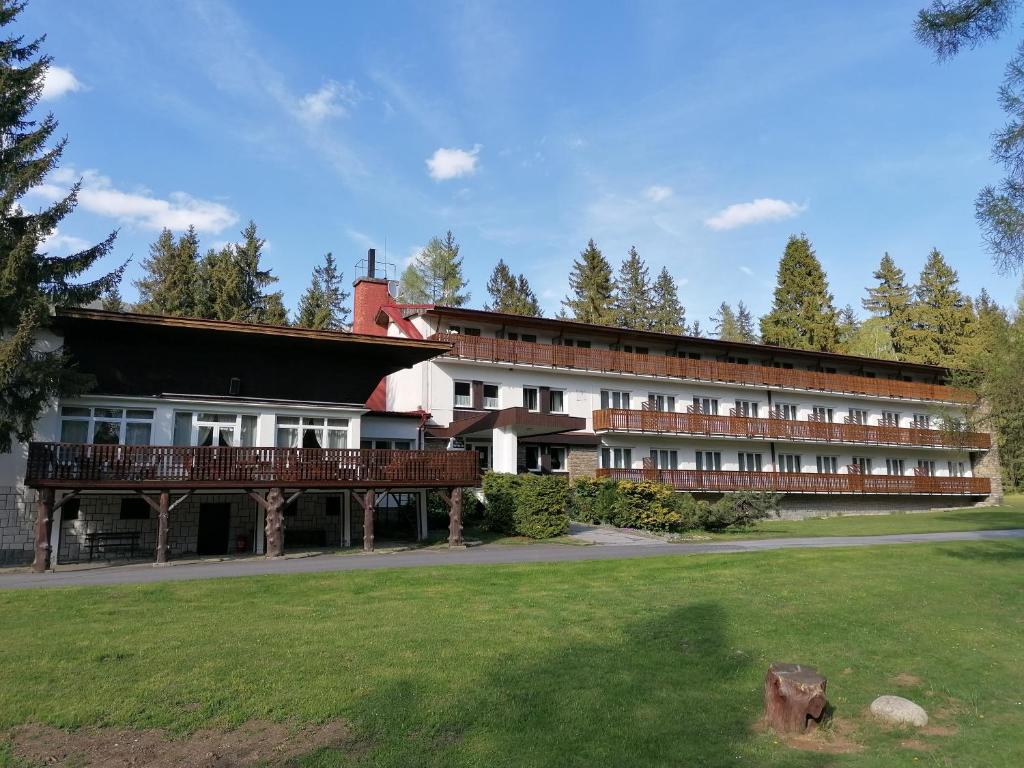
(369, 294)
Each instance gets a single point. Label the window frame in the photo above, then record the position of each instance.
(746, 409)
(665, 458)
(747, 458)
(831, 462)
(702, 458)
(793, 459)
(608, 397)
(455, 394)
(325, 428)
(551, 401)
(490, 403)
(91, 420)
(610, 456)
(536, 399)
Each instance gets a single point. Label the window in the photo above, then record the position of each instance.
(890, 419)
(658, 402)
(857, 416)
(776, 364)
(664, 459)
(490, 396)
(114, 426)
(134, 509)
(214, 429)
(705, 405)
(611, 399)
(616, 458)
(709, 460)
(693, 355)
(484, 452)
(386, 445)
(921, 421)
(311, 432)
(463, 330)
(629, 348)
(737, 360)
(581, 343)
(463, 397)
(785, 411)
(925, 468)
(895, 467)
(557, 401)
(956, 469)
(822, 414)
(556, 454)
(531, 398)
(789, 462)
(828, 465)
(521, 337)
(861, 465)
(531, 458)
(750, 462)
(746, 408)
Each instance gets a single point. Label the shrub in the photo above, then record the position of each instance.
(500, 491)
(740, 510)
(437, 509)
(646, 505)
(542, 506)
(591, 499)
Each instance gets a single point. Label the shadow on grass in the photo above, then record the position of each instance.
(989, 551)
(670, 690)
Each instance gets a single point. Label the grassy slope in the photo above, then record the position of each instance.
(639, 662)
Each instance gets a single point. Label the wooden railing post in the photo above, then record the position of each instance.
(44, 518)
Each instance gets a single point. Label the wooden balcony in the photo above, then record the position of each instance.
(662, 422)
(606, 361)
(138, 467)
(709, 481)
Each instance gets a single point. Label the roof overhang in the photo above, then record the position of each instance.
(521, 421)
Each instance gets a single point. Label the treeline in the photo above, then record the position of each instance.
(229, 283)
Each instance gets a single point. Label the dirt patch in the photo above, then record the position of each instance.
(256, 742)
(907, 680)
(835, 738)
(917, 745)
(939, 730)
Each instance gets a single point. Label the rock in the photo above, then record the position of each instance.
(896, 709)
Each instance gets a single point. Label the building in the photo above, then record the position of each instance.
(208, 438)
(834, 433)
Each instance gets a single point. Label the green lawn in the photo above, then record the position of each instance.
(1009, 515)
(653, 662)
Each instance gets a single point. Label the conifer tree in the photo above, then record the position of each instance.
(745, 321)
(435, 275)
(591, 299)
(633, 298)
(991, 321)
(170, 285)
(511, 293)
(233, 282)
(323, 303)
(696, 331)
(942, 318)
(890, 301)
(802, 314)
(252, 279)
(32, 281)
(274, 310)
(871, 339)
(727, 327)
(667, 314)
(112, 301)
(848, 325)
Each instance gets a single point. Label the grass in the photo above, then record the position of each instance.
(653, 662)
(1009, 515)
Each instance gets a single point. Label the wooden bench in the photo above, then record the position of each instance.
(108, 540)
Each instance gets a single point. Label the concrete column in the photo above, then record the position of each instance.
(504, 450)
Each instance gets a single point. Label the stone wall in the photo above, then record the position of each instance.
(17, 521)
(796, 507)
(582, 461)
(987, 465)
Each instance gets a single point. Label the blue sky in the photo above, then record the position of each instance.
(702, 136)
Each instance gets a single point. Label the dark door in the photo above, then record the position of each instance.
(214, 529)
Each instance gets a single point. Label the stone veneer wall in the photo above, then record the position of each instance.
(582, 461)
(797, 507)
(17, 521)
(987, 465)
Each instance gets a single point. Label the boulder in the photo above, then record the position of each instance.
(900, 711)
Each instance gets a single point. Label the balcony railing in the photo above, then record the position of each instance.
(606, 361)
(64, 465)
(793, 482)
(663, 422)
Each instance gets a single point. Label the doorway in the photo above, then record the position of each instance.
(214, 529)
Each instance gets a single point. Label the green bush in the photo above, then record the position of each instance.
(739, 510)
(542, 506)
(500, 492)
(646, 505)
(591, 499)
(437, 509)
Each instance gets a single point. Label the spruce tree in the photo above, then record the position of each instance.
(511, 293)
(745, 321)
(802, 314)
(633, 298)
(696, 331)
(848, 325)
(322, 305)
(591, 300)
(435, 275)
(111, 300)
(274, 310)
(233, 282)
(890, 301)
(32, 282)
(667, 314)
(170, 284)
(942, 318)
(727, 327)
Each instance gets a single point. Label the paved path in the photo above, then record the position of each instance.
(603, 534)
(493, 554)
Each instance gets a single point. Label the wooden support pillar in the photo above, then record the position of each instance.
(455, 519)
(163, 515)
(368, 510)
(275, 522)
(44, 518)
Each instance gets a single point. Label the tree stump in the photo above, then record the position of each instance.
(794, 698)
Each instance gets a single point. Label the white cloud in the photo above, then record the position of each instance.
(58, 241)
(754, 212)
(333, 99)
(452, 163)
(658, 193)
(177, 211)
(58, 82)
(747, 271)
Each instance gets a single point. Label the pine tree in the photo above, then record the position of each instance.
(696, 331)
(890, 302)
(667, 314)
(848, 325)
(233, 282)
(252, 278)
(170, 285)
(745, 321)
(323, 303)
(591, 300)
(802, 314)
(633, 297)
(274, 310)
(111, 300)
(435, 275)
(942, 318)
(32, 281)
(511, 293)
(726, 325)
